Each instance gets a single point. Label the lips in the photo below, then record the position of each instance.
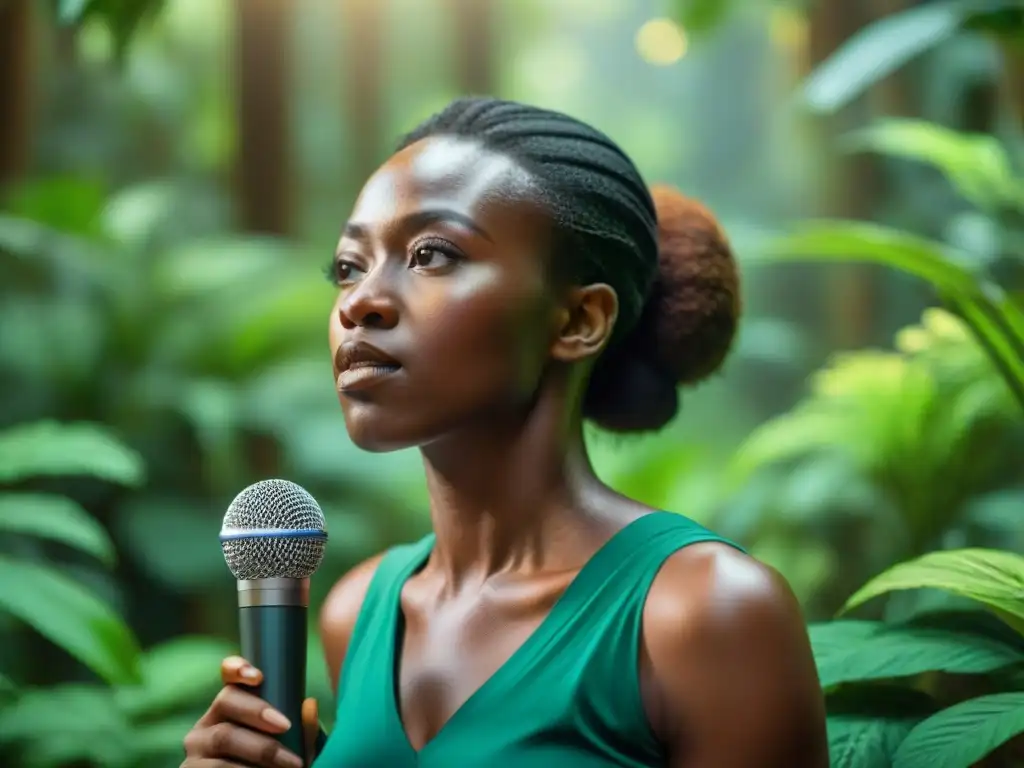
(361, 365)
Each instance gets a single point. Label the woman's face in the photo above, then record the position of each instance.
(445, 312)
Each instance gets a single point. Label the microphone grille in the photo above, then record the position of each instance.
(273, 529)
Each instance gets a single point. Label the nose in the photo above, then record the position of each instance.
(368, 304)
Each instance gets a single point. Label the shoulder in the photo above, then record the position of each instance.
(712, 587)
(727, 647)
(340, 611)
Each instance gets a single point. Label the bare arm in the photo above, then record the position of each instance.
(734, 678)
(339, 613)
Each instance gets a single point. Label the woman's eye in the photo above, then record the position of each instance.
(342, 272)
(429, 257)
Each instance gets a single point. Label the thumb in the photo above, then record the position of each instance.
(310, 728)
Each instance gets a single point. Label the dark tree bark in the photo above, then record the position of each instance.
(263, 173)
(15, 90)
(474, 53)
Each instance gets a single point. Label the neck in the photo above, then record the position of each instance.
(502, 494)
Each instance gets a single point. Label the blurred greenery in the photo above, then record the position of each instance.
(156, 356)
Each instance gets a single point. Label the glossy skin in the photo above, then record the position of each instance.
(494, 355)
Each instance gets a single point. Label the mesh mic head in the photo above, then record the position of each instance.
(273, 529)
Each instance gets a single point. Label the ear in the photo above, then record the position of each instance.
(585, 322)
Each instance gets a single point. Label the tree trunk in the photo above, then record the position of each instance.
(474, 34)
(15, 90)
(262, 67)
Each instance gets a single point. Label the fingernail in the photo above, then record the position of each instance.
(289, 760)
(276, 719)
(250, 673)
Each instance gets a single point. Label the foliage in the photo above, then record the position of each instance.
(47, 599)
(892, 452)
(123, 18)
(923, 434)
(123, 726)
(882, 47)
(942, 689)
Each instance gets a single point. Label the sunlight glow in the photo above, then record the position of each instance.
(661, 42)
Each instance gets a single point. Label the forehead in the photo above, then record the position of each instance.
(453, 173)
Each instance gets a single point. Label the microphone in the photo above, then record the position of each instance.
(273, 540)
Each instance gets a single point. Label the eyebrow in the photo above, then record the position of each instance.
(419, 220)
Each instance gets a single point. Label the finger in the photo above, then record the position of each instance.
(236, 705)
(257, 750)
(205, 762)
(310, 727)
(235, 670)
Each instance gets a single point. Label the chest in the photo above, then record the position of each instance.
(453, 651)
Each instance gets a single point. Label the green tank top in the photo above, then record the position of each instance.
(568, 697)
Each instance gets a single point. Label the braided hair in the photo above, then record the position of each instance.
(664, 255)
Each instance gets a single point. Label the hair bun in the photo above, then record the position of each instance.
(694, 307)
(687, 326)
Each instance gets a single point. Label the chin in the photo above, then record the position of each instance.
(376, 434)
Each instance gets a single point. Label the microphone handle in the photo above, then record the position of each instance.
(274, 640)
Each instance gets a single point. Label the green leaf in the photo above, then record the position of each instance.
(862, 741)
(992, 577)
(996, 322)
(70, 11)
(47, 448)
(181, 672)
(91, 727)
(958, 737)
(878, 50)
(976, 164)
(79, 622)
(867, 723)
(56, 518)
(701, 15)
(827, 240)
(900, 651)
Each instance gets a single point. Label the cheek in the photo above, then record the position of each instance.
(491, 327)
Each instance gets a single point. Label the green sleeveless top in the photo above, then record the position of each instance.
(568, 697)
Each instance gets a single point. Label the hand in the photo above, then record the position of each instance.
(238, 729)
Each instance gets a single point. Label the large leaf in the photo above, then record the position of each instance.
(902, 651)
(73, 618)
(829, 240)
(181, 672)
(994, 319)
(91, 728)
(878, 50)
(961, 735)
(56, 518)
(867, 723)
(976, 164)
(49, 448)
(992, 577)
(863, 741)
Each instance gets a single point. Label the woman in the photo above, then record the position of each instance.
(503, 277)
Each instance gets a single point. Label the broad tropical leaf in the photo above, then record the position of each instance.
(961, 735)
(992, 577)
(976, 164)
(49, 448)
(862, 741)
(878, 50)
(92, 729)
(994, 319)
(72, 617)
(902, 651)
(831, 240)
(867, 723)
(56, 518)
(178, 673)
